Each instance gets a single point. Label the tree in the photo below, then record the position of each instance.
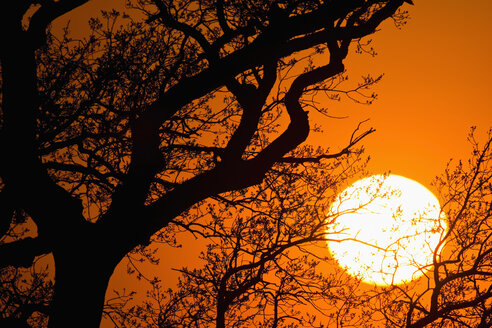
(267, 282)
(262, 264)
(457, 291)
(108, 140)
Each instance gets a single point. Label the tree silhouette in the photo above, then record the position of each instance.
(457, 291)
(261, 267)
(110, 140)
(278, 280)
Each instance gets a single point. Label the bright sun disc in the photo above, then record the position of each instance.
(385, 229)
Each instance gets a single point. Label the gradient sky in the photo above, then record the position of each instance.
(437, 84)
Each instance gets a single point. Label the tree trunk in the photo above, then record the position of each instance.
(80, 288)
(221, 312)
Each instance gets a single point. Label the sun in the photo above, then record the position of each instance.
(385, 229)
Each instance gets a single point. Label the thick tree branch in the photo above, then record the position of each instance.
(49, 11)
(298, 128)
(251, 100)
(221, 17)
(296, 34)
(22, 253)
(225, 176)
(146, 161)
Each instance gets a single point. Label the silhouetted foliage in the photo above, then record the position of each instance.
(457, 291)
(281, 279)
(261, 267)
(157, 122)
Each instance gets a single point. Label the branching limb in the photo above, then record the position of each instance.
(354, 139)
(22, 253)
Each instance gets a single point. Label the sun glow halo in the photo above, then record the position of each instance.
(385, 229)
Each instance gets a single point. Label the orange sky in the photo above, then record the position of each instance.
(436, 85)
(437, 79)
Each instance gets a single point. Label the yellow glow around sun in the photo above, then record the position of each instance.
(386, 229)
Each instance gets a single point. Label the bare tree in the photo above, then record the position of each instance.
(456, 289)
(259, 283)
(261, 267)
(459, 286)
(108, 140)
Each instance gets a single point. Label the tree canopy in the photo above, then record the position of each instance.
(177, 116)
